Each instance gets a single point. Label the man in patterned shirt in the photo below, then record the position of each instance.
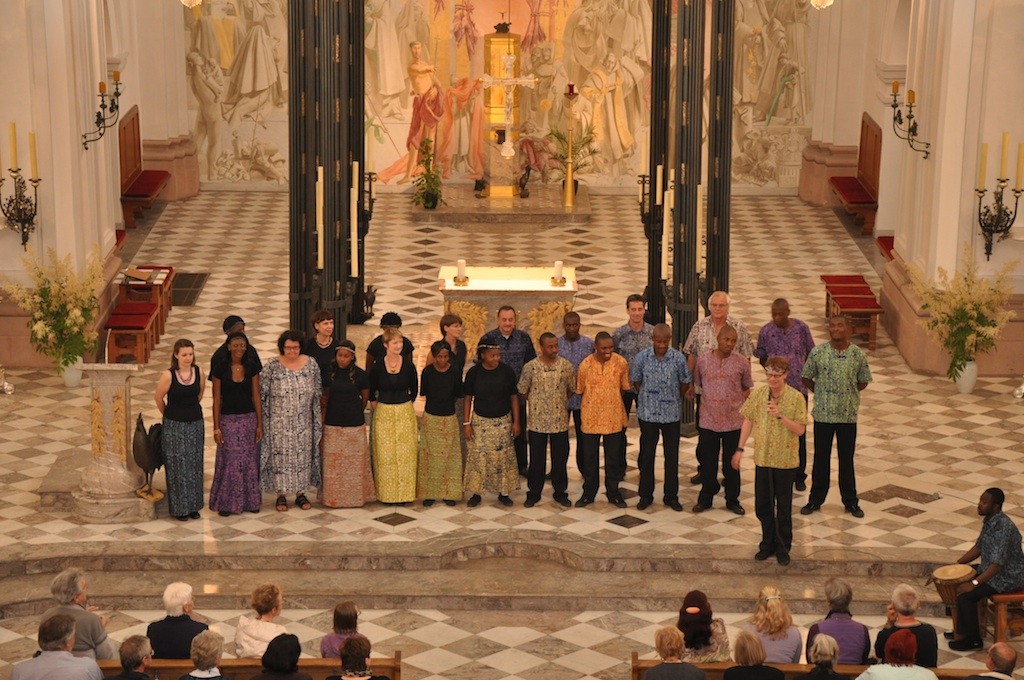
(837, 372)
(547, 382)
(632, 337)
(516, 349)
(1001, 569)
(778, 414)
(575, 348)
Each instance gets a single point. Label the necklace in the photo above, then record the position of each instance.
(397, 367)
(325, 345)
(183, 380)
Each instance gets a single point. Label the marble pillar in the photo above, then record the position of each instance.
(107, 491)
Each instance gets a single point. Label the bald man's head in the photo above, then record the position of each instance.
(1002, 658)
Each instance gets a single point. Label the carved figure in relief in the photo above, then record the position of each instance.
(207, 85)
(427, 106)
(255, 83)
(385, 79)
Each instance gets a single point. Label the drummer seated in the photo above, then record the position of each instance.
(900, 615)
(1002, 659)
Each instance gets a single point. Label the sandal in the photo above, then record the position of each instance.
(302, 502)
(281, 504)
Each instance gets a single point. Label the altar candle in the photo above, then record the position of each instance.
(911, 98)
(983, 166)
(460, 269)
(117, 76)
(103, 87)
(656, 189)
(34, 166)
(895, 87)
(666, 226)
(558, 269)
(1004, 157)
(1020, 166)
(353, 237)
(14, 145)
(320, 217)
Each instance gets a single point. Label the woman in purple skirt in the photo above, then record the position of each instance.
(237, 429)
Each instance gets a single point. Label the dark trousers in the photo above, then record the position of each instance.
(577, 422)
(846, 441)
(628, 399)
(614, 463)
(801, 472)
(967, 611)
(648, 445)
(539, 460)
(696, 424)
(712, 446)
(773, 505)
(520, 442)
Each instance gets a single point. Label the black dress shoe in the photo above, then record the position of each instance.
(695, 479)
(800, 485)
(617, 501)
(736, 508)
(224, 513)
(194, 515)
(966, 645)
(783, 558)
(427, 502)
(675, 505)
(181, 518)
(809, 508)
(474, 500)
(583, 501)
(700, 507)
(855, 511)
(564, 501)
(643, 505)
(505, 500)
(762, 555)
(450, 502)
(528, 504)
(949, 635)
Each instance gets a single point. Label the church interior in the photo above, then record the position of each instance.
(493, 592)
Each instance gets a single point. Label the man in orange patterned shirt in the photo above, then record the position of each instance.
(601, 380)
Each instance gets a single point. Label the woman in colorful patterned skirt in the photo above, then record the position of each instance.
(290, 456)
(440, 462)
(393, 388)
(348, 480)
(237, 429)
(179, 391)
(490, 422)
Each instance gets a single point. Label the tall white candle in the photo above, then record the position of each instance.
(666, 227)
(640, 188)
(353, 237)
(14, 145)
(460, 267)
(645, 156)
(1020, 166)
(1004, 157)
(320, 217)
(558, 269)
(982, 166)
(658, 174)
(32, 164)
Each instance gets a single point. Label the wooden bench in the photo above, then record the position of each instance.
(1007, 613)
(885, 246)
(851, 296)
(156, 290)
(859, 194)
(139, 188)
(715, 671)
(129, 336)
(243, 669)
(837, 281)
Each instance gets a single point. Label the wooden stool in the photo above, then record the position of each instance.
(129, 335)
(1007, 610)
(863, 313)
(142, 309)
(844, 290)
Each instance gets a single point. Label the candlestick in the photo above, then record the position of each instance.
(34, 166)
(14, 145)
(103, 87)
(117, 76)
(982, 166)
(1020, 166)
(911, 98)
(320, 217)
(1004, 156)
(895, 87)
(657, 184)
(353, 237)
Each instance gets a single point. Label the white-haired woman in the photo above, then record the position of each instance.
(823, 653)
(206, 650)
(71, 590)
(172, 636)
(900, 615)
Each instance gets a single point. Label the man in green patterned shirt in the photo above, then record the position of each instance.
(778, 414)
(837, 372)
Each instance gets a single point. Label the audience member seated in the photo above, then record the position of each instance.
(346, 620)
(281, 660)
(851, 636)
(705, 637)
(773, 623)
(354, 653)
(136, 653)
(669, 643)
(255, 633)
(750, 661)
(900, 614)
(900, 650)
(823, 654)
(71, 590)
(206, 650)
(171, 637)
(1002, 659)
(56, 639)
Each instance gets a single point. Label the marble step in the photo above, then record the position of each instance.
(485, 584)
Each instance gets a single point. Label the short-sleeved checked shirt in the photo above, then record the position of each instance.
(547, 389)
(774, 445)
(703, 338)
(999, 543)
(722, 383)
(836, 375)
(601, 386)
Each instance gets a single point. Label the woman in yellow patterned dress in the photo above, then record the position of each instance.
(393, 388)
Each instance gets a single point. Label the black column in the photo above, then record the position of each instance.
(720, 144)
(659, 155)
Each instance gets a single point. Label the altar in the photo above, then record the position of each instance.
(540, 300)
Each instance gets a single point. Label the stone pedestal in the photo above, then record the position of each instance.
(107, 490)
(540, 303)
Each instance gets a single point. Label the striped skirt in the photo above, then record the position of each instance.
(183, 456)
(491, 464)
(439, 470)
(347, 478)
(236, 475)
(394, 452)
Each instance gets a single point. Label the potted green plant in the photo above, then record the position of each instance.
(582, 151)
(966, 313)
(63, 306)
(427, 184)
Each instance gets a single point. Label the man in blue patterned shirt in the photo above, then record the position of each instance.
(1001, 569)
(575, 348)
(516, 349)
(632, 337)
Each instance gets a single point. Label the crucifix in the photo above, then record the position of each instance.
(508, 83)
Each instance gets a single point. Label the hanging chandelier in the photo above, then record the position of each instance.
(818, 4)
(191, 3)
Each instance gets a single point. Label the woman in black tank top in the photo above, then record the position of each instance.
(179, 392)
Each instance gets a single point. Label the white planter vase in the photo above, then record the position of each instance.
(968, 378)
(73, 374)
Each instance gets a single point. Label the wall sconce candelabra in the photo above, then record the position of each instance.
(908, 133)
(18, 209)
(997, 219)
(108, 114)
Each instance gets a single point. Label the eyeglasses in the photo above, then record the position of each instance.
(773, 374)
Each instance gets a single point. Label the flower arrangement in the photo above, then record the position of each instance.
(63, 305)
(967, 312)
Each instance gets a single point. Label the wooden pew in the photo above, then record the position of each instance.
(859, 195)
(243, 669)
(714, 671)
(139, 188)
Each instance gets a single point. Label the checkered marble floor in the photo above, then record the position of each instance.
(924, 452)
(470, 645)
